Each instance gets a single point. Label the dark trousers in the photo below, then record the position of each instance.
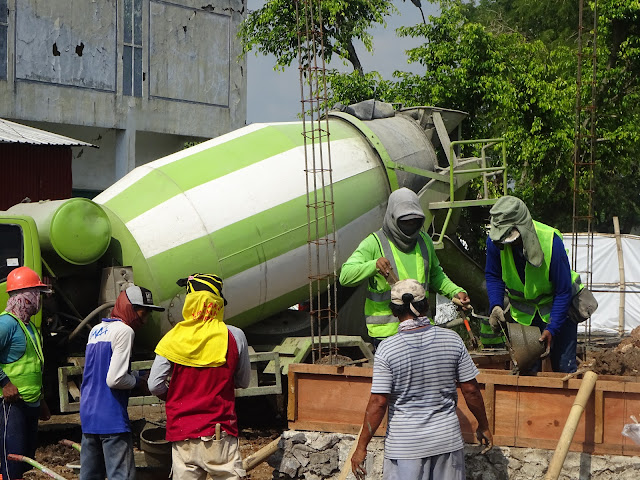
(563, 346)
(107, 455)
(19, 435)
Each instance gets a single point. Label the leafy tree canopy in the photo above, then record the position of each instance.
(512, 65)
(272, 29)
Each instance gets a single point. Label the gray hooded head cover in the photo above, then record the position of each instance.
(511, 212)
(401, 203)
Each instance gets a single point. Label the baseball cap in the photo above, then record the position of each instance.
(409, 285)
(141, 297)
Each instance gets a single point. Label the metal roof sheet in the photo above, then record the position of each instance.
(11, 132)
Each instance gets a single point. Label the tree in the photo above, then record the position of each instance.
(272, 29)
(523, 86)
(512, 65)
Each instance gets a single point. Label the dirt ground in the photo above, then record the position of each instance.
(59, 458)
(623, 360)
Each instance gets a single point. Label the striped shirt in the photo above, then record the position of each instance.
(418, 369)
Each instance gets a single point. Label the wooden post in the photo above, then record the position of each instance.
(555, 467)
(252, 461)
(623, 286)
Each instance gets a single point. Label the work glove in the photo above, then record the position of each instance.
(496, 317)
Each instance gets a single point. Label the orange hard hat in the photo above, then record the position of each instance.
(24, 277)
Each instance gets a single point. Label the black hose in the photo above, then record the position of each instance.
(86, 319)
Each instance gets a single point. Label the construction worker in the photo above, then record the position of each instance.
(415, 374)
(21, 362)
(107, 441)
(527, 260)
(400, 246)
(206, 360)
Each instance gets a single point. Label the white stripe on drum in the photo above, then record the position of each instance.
(239, 195)
(141, 171)
(281, 275)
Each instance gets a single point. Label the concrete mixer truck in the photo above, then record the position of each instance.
(236, 206)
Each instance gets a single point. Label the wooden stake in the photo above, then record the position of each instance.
(255, 459)
(555, 467)
(346, 468)
(623, 286)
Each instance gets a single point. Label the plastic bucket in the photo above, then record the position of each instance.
(157, 450)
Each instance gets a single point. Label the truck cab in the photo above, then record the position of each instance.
(19, 247)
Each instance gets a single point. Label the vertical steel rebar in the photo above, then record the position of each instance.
(321, 236)
(584, 158)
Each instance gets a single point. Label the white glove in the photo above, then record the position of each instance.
(496, 317)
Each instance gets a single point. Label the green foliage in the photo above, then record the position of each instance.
(272, 29)
(512, 65)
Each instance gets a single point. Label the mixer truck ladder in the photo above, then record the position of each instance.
(454, 172)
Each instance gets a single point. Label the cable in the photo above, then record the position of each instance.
(4, 444)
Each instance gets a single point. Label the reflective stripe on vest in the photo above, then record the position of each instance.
(488, 336)
(26, 372)
(536, 294)
(380, 321)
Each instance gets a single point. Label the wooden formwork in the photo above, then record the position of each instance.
(522, 411)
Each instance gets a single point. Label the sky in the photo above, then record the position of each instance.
(275, 96)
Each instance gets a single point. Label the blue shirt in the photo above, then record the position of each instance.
(559, 275)
(107, 381)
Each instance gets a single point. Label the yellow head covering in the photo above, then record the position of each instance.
(201, 338)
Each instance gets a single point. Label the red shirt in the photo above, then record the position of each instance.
(200, 397)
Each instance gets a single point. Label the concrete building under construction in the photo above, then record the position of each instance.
(137, 78)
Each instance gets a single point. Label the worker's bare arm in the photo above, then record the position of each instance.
(376, 409)
(472, 395)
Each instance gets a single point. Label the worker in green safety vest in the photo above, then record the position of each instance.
(21, 362)
(527, 261)
(400, 246)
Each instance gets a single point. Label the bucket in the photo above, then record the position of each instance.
(157, 450)
(525, 345)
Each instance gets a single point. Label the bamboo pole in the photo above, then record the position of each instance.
(346, 468)
(616, 229)
(255, 459)
(555, 467)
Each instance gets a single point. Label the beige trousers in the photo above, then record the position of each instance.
(194, 458)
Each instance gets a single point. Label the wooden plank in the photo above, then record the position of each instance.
(332, 370)
(489, 396)
(599, 416)
(292, 396)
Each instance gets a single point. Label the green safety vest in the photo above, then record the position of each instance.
(536, 295)
(26, 372)
(380, 321)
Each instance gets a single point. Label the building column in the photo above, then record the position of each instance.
(125, 152)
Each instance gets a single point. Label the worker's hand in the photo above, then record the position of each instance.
(546, 338)
(357, 463)
(464, 299)
(45, 413)
(485, 438)
(141, 388)
(10, 393)
(496, 318)
(383, 266)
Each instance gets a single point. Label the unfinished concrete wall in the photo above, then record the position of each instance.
(129, 66)
(315, 456)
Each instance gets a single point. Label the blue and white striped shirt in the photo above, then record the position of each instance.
(419, 370)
